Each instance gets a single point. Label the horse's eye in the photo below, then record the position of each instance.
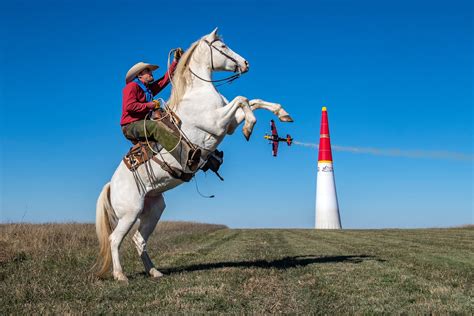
(223, 46)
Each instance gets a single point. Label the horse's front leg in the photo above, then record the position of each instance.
(240, 104)
(225, 116)
(276, 108)
(256, 104)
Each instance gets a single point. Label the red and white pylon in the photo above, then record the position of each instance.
(327, 208)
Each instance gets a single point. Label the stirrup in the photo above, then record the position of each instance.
(194, 157)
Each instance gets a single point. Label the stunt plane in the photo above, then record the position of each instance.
(275, 139)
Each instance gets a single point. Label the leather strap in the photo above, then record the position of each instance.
(174, 172)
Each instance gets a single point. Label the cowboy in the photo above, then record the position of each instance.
(137, 103)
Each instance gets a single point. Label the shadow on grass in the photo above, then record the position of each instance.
(281, 264)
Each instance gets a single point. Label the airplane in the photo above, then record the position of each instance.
(275, 139)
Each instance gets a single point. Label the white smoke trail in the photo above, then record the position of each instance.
(396, 152)
(312, 145)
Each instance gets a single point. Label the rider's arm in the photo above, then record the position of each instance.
(161, 83)
(131, 99)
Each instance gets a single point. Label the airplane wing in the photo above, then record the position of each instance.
(273, 128)
(274, 148)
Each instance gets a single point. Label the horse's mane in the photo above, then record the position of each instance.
(181, 77)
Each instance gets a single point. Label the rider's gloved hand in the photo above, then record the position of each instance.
(156, 115)
(178, 53)
(153, 105)
(157, 104)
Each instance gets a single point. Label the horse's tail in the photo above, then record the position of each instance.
(105, 223)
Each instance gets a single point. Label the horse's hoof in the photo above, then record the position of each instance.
(154, 273)
(246, 133)
(286, 118)
(121, 277)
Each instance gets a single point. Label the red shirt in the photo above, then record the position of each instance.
(134, 105)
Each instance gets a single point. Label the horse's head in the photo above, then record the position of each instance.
(206, 55)
(221, 57)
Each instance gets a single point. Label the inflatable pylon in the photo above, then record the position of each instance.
(327, 208)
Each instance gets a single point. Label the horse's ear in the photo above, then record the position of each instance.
(212, 36)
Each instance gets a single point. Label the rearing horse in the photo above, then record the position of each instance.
(206, 118)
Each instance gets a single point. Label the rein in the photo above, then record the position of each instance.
(224, 80)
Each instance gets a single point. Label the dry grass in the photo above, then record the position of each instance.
(44, 269)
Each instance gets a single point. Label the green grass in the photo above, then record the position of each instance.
(44, 269)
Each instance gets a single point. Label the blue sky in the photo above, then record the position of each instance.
(395, 75)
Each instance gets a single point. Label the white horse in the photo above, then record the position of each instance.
(206, 118)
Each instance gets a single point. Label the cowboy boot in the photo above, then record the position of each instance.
(192, 154)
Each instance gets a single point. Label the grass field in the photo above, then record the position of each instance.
(44, 269)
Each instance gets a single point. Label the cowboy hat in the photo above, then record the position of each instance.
(137, 68)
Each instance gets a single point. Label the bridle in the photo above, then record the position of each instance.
(225, 80)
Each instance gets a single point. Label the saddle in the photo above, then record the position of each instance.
(137, 155)
(141, 153)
